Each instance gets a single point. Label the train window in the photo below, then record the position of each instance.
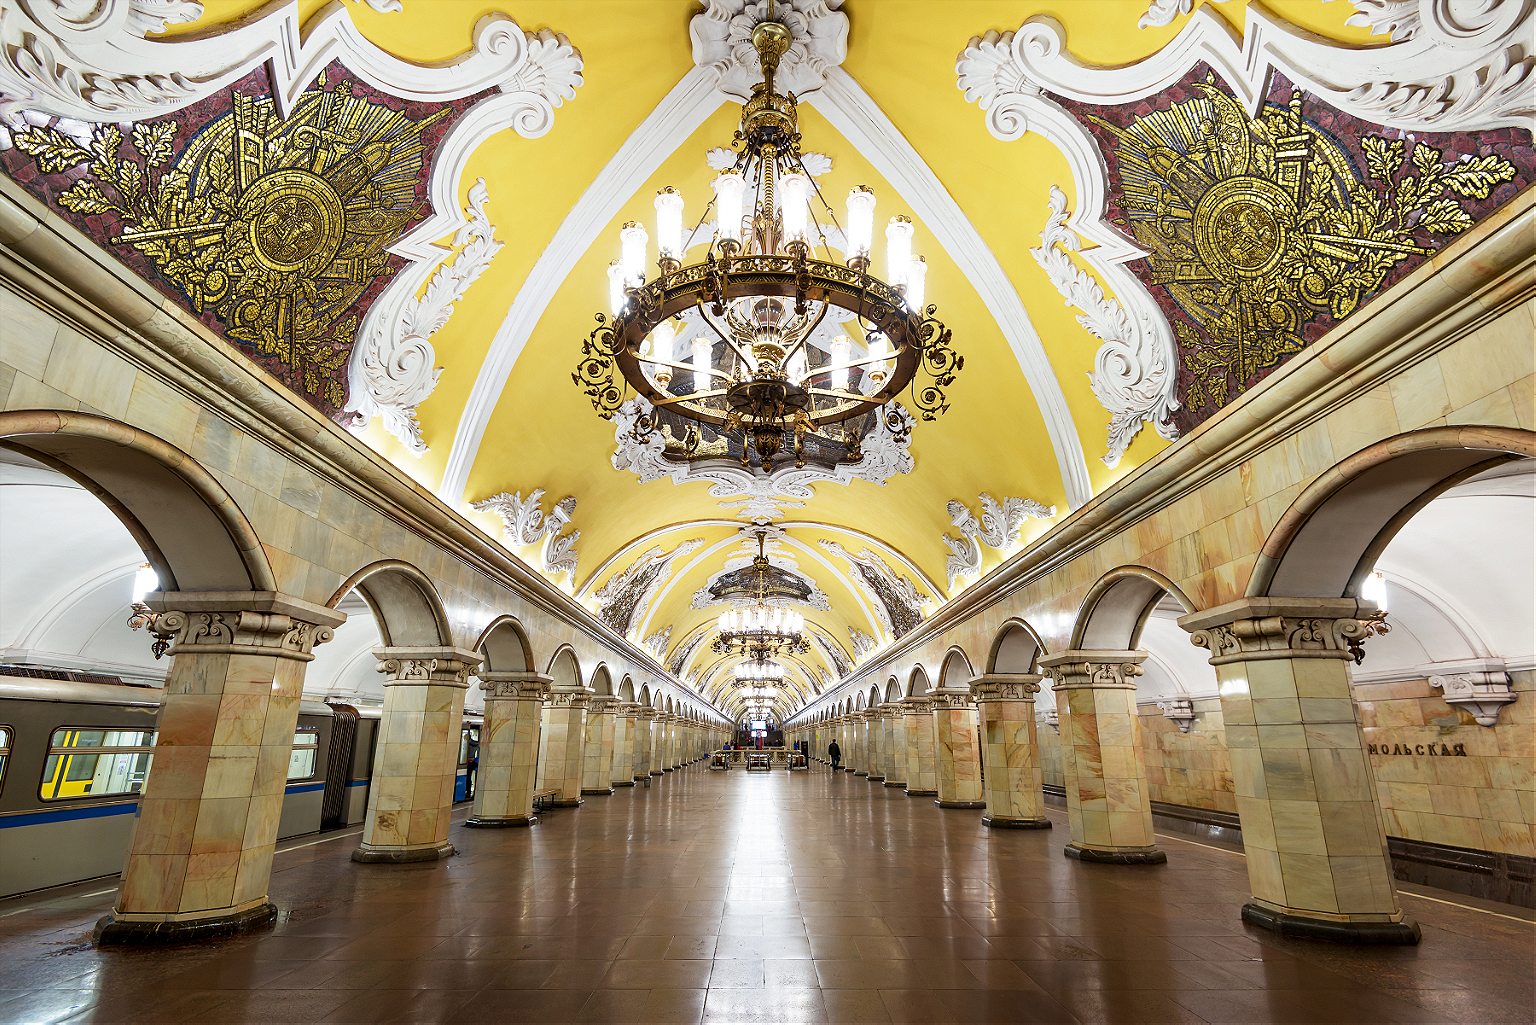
(469, 744)
(88, 761)
(306, 751)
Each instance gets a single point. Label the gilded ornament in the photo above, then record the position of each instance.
(1261, 226)
(276, 226)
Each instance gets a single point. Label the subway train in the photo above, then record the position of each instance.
(75, 755)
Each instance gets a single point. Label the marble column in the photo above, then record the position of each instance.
(562, 746)
(1009, 756)
(667, 722)
(622, 771)
(658, 746)
(1108, 804)
(896, 732)
(875, 739)
(1306, 794)
(922, 754)
(416, 754)
(200, 860)
(860, 727)
(956, 748)
(597, 748)
(645, 723)
(509, 749)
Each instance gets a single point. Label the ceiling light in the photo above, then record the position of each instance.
(768, 367)
(760, 630)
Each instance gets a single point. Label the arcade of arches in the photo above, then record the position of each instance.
(1167, 653)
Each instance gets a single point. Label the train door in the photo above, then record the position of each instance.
(469, 764)
(338, 766)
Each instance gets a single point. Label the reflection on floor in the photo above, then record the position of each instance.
(763, 898)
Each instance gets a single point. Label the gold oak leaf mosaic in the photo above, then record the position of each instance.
(275, 225)
(1259, 226)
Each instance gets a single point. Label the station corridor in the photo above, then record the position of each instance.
(782, 897)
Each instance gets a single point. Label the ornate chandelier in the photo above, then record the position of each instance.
(759, 631)
(770, 335)
(756, 675)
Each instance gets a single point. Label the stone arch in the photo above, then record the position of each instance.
(1117, 608)
(602, 681)
(956, 671)
(874, 696)
(647, 698)
(1016, 649)
(1328, 540)
(858, 703)
(892, 690)
(564, 669)
(405, 605)
(627, 689)
(505, 647)
(189, 528)
(917, 683)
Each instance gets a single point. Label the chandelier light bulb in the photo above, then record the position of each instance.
(616, 299)
(841, 352)
(794, 205)
(632, 243)
(730, 188)
(669, 223)
(861, 221)
(700, 364)
(917, 277)
(898, 249)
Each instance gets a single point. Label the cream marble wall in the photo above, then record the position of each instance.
(1191, 769)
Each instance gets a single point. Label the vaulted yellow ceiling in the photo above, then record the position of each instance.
(543, 434)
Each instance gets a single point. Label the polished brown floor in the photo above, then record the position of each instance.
(762, 898)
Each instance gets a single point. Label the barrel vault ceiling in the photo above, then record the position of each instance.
(503, 418)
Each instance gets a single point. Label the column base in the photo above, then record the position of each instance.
(900, 784)
(876, 779)
(114, 931)
(597, 791)
(860, 772)
(1119, 856)
(567, 802)
(961, 804)
(1002, 823)
(656, 772)
(1302, 927)
(922, 793)
(623, 783)
(366, 855)
(514, 820)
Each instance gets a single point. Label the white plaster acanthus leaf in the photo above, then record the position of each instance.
(385, 6)
(1162, 12)
(392, 368)
(657, 642)
(997, 527)
(862, 642)
(1134, 373)
(525, 524)
(750, 495)
(722, 42)
(1451, 67)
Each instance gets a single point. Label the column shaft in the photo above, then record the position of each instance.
(624, 729)
(896, 731)
(1306, 794)
(1009, 755)
(922, 753)
(563, 744)
(597, 749)
(509, 749)
(200, 860)
(957, 752)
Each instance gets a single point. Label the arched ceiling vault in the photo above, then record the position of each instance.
(630, 112)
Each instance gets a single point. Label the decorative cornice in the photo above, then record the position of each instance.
(393, 365)
(722, 43)
(240, 623)
(516, 686)
(1086, 669)
(1259, 629)
(1181, 711)
(427, 667)
(1006, 687)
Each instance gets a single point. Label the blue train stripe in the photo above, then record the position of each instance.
(95, 811)
(304, 788)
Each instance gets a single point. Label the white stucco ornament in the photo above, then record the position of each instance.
(393, 366)
(526, 524)
(1484, 694)
(997, 527)
(722, 42)
(1135, 371)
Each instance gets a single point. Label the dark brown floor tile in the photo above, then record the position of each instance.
(771, 1007)
(967, 1006)
(1127, 1007)
(854, 1006)
(869, 974)
(643, 1007)
(656, 975)
(523, 1005)
(1302, 1007)
(385, 1005)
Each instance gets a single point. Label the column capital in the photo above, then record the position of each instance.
(569, 697)
(628, 709)
(917, 704)
(1094, 669)
(646, 712)
(1256, 629)
(891, 708)
(603, 703)
(241, 623)
(951, 697)
(514, 685)
(427, 667)
(1006, 687)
